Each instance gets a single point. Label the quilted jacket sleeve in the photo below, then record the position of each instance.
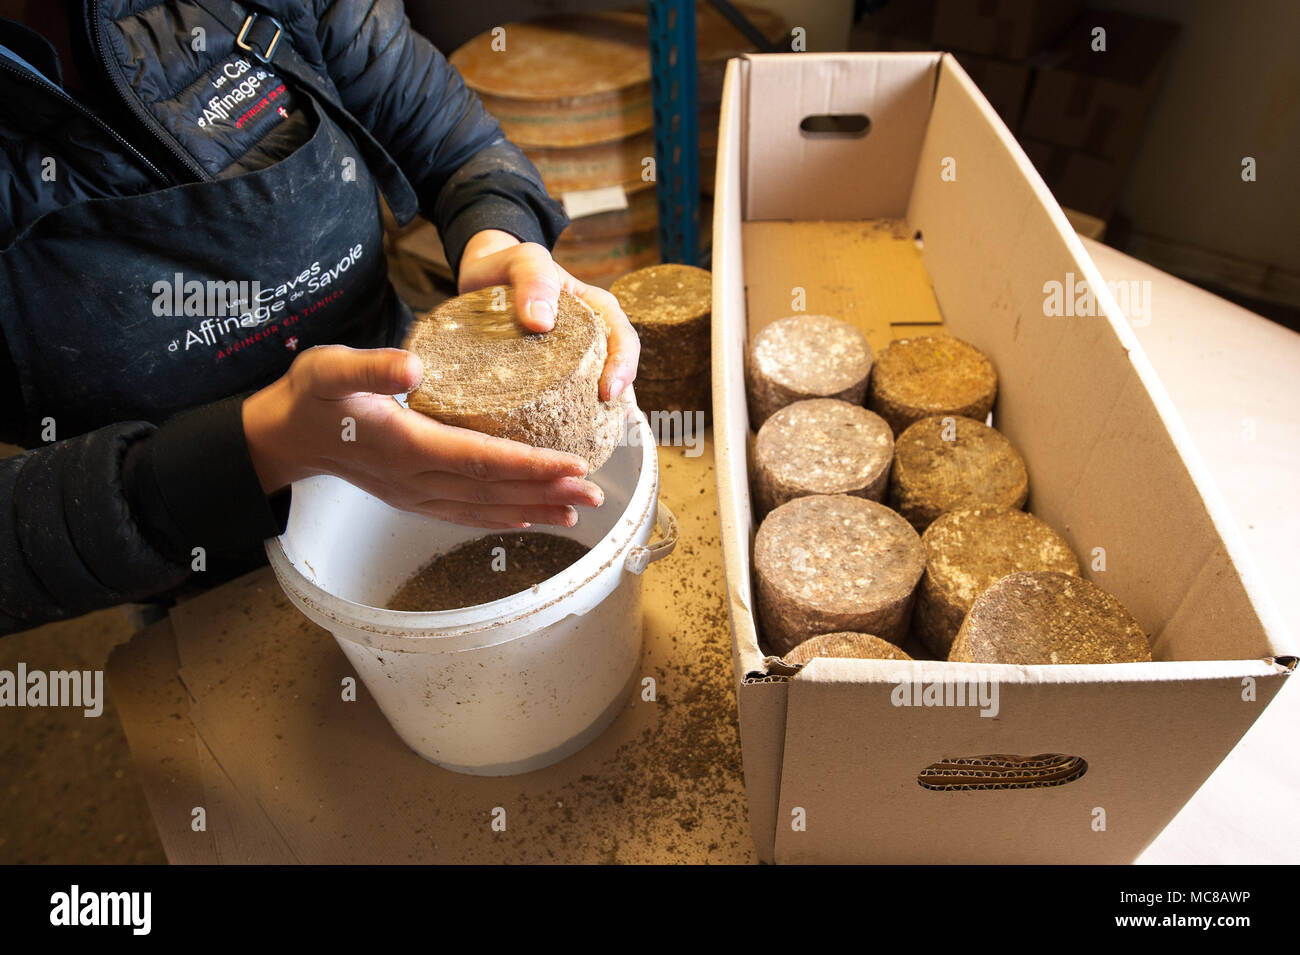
(114, 515)
(468, 176)
(68, 541)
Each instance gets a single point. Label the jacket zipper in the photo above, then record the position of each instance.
(128, 96)
(89, 114)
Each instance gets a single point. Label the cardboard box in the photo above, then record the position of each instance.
(1077, 180)
(1097, 101)
(1008, 28)
(935, 218)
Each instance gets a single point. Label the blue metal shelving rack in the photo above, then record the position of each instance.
(673, 72)
(677, 136)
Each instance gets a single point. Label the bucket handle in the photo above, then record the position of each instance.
(639, 558)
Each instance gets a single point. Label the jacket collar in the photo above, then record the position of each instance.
(32, 47)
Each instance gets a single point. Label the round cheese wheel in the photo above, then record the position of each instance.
(941, 464)
(854, 646)
(576, 168)
(670, 308)
(806, 356)
(1048, 617)
(970, 549)
(821, 446)
(575, 79)
(917, 378)
(829, 563)
(486, 372)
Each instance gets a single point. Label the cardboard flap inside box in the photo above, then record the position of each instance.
(932, 218)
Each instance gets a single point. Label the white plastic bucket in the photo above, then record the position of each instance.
(503, 687)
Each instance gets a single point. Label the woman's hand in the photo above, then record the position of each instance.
(295, 429)
(493, 257)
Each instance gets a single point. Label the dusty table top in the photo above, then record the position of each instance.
(233, 704)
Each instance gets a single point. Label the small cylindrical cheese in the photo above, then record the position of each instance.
(484, 371)
(670, 307)
(1048, 617)
(941, 464)
(853, 646)
(821, 446)
(917, 378)
(970, 549)
(806, 356)
(830, 563)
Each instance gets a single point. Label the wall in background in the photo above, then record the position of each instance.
(1232, 89)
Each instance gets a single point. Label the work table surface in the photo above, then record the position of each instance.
(233, 703)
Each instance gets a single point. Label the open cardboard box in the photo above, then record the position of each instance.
(934, 218)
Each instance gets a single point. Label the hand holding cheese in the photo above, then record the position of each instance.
(295, 429)
(493, 257)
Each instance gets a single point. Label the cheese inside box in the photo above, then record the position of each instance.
(882, 190)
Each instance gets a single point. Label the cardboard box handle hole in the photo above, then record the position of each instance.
(836, 125)
(1002, 771)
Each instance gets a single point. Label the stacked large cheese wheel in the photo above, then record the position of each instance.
(949, 566)
(574, 92)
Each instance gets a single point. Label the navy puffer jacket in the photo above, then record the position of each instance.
(107, 516)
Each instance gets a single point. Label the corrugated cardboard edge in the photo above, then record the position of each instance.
(762, 714)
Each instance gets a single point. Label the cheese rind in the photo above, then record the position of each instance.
(970, 549)
(821, 446)
(853, 646)
(830, 563)
(945, 463)
(806, 356)
(486, 372)
(1048, 617)
(917, 378)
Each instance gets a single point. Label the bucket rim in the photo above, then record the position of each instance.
(425, 627)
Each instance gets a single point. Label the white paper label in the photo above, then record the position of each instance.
(590, 202)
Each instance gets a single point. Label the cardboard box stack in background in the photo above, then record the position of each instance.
(1079, 181)
(993, 39)
(1088, 108)
(1009, 29)
(894, 26)
(1079, 111)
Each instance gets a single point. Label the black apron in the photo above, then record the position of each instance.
(122, 309)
